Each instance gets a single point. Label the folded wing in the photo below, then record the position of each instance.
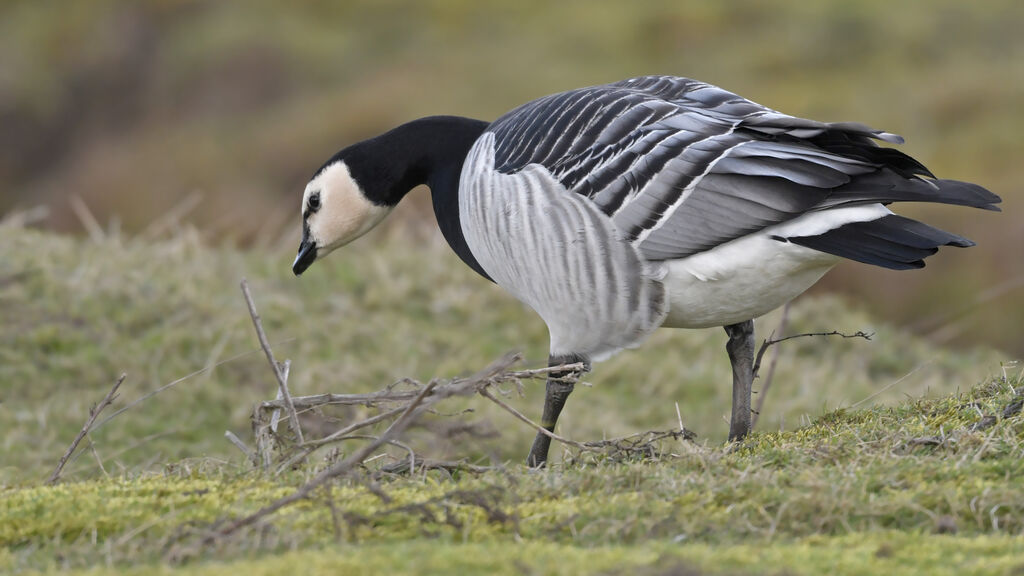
(681, 166)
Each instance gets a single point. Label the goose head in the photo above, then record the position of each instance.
(335, 211)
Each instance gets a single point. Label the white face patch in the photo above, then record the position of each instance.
(344, 213)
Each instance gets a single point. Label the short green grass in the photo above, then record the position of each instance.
(904, 482)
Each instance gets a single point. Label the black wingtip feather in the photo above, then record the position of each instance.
(885, 187)
(893, 242)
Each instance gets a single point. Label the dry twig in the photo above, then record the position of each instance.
(279, 373)
(412, 404)
(773, 341)
(486, 394)
(93, 413)
(640, 444)
(429, 395)
(309, 447)
(403, 466)
(768, 343)
(390, 395)
(481, 383)
(767, 383)
(336, 470)
(249, 454)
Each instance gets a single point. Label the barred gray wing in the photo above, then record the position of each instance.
(681, 166)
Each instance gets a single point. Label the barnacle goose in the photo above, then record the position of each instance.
(656, 201)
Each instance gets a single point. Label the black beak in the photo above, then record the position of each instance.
(307, 254)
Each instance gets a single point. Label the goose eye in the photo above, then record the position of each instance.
(314, 202)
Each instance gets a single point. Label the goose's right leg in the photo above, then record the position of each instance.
(741, 354)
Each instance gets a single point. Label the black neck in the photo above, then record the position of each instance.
(426, 151)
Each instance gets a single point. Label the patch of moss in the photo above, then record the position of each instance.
(839, 490)
(854, 554)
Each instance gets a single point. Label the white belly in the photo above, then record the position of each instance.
(753, 275)
(739, 281)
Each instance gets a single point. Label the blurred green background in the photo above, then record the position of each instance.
(218, 112)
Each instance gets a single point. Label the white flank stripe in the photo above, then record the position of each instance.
(667, 215)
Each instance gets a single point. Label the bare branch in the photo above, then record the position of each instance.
(389, 395)
(249, 454)
(309, 447)
(372, 399)
(334, 471)
(275, 418)
(638, 444)
(279, 373)
(93, 413)
(487, 394)
(763, 393)
(429, 395)
(771, 342)
(572, 372)
(402, 466)
(495, 374)
(767, 383)
(263, 438)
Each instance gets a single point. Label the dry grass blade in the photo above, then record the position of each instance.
(173, 383)
(282, 381)
(85, 216)
(171, 218)
(893, 383)
(25, 218)
(93, 413)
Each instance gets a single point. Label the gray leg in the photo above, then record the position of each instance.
(741, 354)
(555, 396)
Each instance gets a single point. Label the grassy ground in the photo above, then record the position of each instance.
(842, 473)
(920, 488)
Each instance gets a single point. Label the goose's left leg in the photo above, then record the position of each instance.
(555, 395)
(741, 354)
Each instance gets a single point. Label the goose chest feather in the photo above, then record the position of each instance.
(653, 202)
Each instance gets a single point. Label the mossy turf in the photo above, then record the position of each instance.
(841, 477)
(926, 487)
(886, 552)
